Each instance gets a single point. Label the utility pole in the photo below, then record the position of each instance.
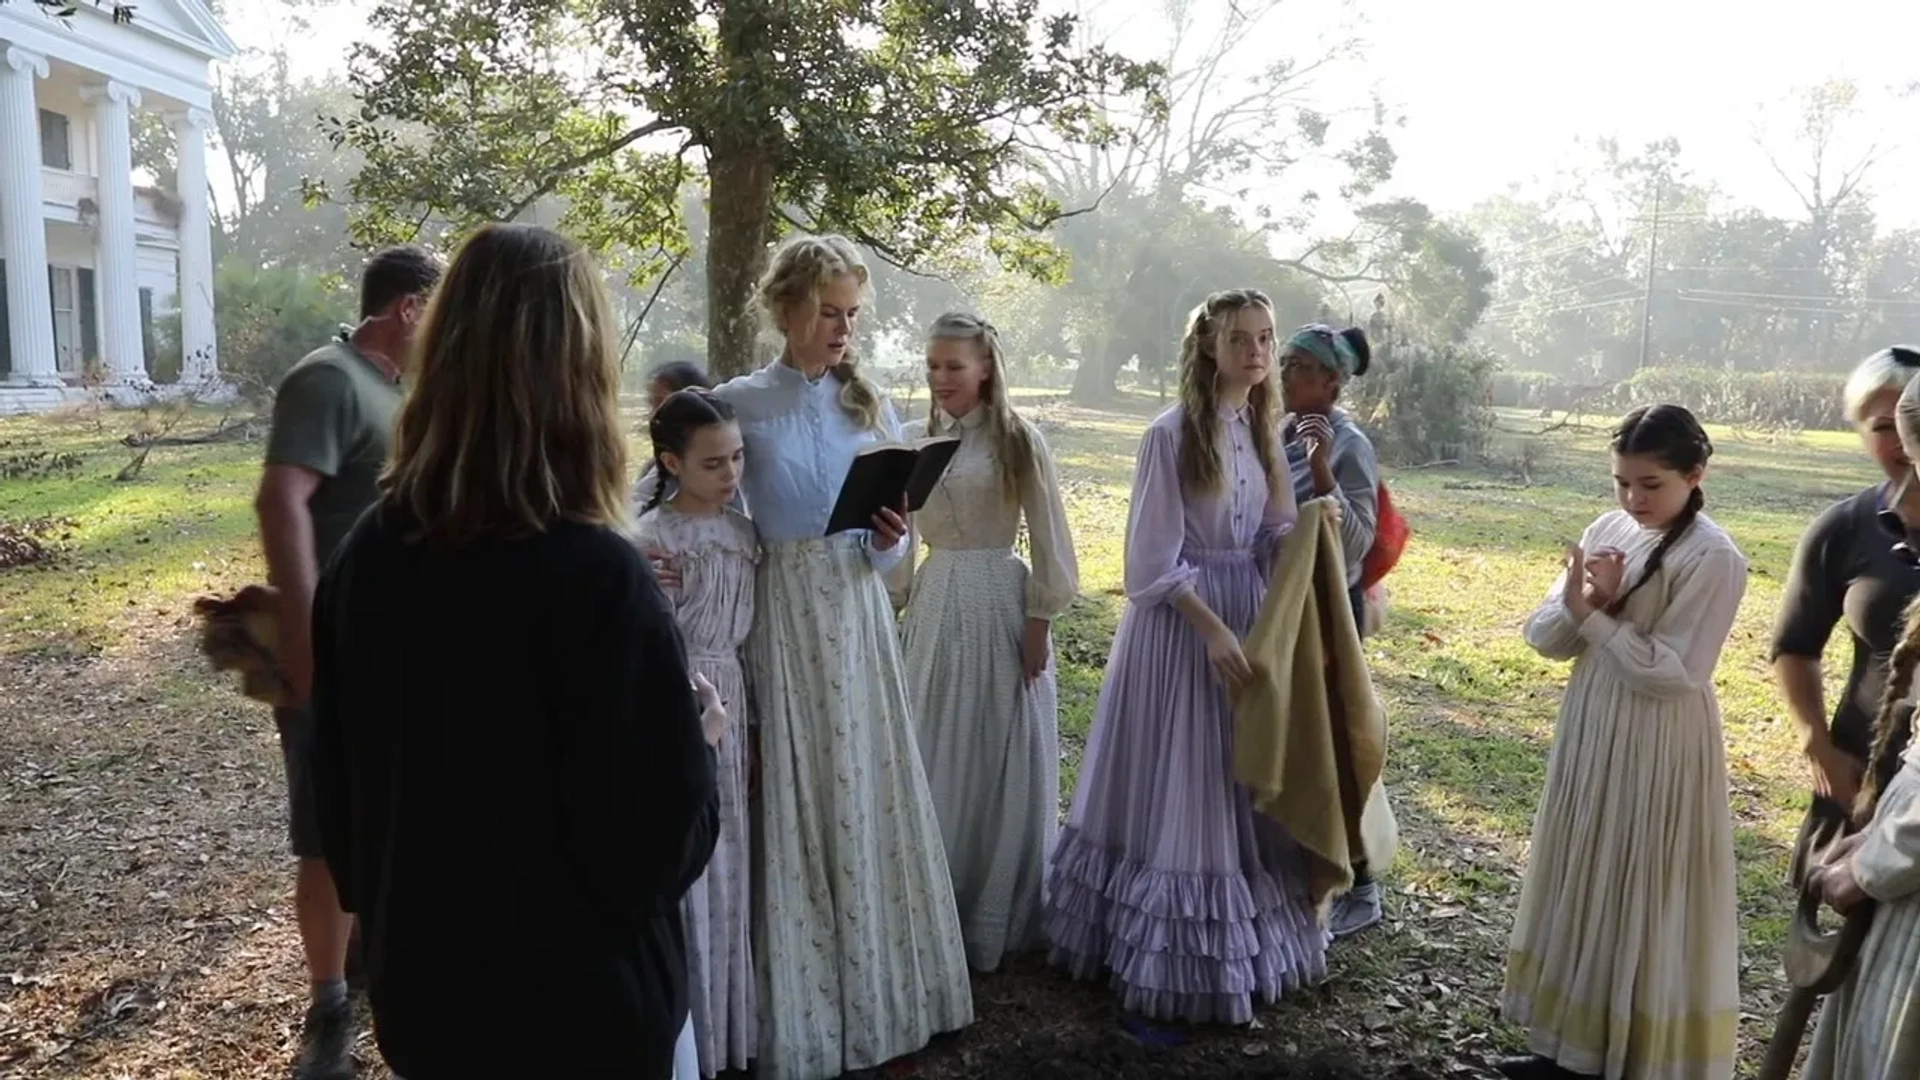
(1646, 306)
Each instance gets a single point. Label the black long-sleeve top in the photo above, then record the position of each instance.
(514, 794)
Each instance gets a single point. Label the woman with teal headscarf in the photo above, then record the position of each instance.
(1329, 456)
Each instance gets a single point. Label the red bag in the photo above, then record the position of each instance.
(1389, 540)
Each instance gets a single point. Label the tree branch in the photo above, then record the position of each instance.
(560, 171)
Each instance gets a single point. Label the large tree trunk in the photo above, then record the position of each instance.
(1094, 378)
(739, 217)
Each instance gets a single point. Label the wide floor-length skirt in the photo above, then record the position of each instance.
(1625, 954)
(1165, 877)
(723, 990)
(989, 740)
(859, 944)
(1870, 1027)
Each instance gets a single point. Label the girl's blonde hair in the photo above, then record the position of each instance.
(1889, 730)
(513, 423)
(1208, 330)
(800, 270)
(1012, 439)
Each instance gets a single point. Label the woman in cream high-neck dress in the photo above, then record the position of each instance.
(978, 659)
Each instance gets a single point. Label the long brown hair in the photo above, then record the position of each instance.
(1012, 439)
(513, 423)
(1888, 731)
(802, 267)
(1207, 330)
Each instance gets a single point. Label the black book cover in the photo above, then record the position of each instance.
(882, 475)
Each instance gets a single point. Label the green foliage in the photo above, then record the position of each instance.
(1427, 404)
(901, 124)
(1732, 288)
(1773, 399)
(270, 139)
(267, 319)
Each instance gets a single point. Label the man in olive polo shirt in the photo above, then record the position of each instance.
(332, 427)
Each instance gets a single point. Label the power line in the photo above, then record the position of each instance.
(1802, 298)
(1568, 310)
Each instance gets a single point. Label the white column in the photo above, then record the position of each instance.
(23, 225)
(117, 274)
(198, 360)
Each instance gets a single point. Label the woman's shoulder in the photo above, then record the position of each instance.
(1167, 426)
(748, 387)
(1706, 539)
(914, 429)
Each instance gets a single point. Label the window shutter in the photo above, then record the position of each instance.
(146, 327)
(56, 142)
(6, 332)
(89, 333)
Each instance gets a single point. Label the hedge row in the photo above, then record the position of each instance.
(1751, 399)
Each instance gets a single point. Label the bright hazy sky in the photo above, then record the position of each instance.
(1496, 91)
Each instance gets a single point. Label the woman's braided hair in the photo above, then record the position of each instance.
(1670, 435)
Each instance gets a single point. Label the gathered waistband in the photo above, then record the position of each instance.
(1217, 555)
(972, 553)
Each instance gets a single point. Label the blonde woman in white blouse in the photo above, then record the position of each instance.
(979, 663)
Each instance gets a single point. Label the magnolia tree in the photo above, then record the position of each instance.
(905, 126)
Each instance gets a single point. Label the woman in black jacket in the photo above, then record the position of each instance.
(515, 777)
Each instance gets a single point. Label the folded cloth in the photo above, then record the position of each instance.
(1310, 738)
(242, 634)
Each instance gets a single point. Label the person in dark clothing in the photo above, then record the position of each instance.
(332, 422)
(514, 774)
(1852, 564)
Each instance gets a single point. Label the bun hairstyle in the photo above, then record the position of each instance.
(1356, 340)
(673, 426)
(1011, 438)
(799, 270)
(1207, 332)
(1670, 435)
(1346, 353)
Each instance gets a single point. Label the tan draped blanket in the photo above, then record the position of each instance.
(1310, 738)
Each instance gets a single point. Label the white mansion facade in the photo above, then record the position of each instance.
(91, 262)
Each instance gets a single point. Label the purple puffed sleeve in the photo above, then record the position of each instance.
(1281, 514)
(1157, 523)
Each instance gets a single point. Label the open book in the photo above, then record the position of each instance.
(882, 475)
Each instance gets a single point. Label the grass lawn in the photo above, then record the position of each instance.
(140, 799)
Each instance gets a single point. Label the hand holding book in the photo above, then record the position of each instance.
(885, 483)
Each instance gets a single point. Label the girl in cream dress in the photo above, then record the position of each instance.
(978, 651)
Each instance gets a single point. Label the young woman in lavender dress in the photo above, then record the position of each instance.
(1165, 879)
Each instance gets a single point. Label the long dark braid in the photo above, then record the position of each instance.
(1891, 725)
(1670, 435)
(673, 425)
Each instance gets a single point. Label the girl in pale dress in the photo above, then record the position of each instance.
(1624, 960)
(1870, 1027)
(857, 938)
(1165, 880)
(712, 549)
(979, 661)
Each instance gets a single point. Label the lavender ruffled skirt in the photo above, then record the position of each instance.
(1165, 879)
